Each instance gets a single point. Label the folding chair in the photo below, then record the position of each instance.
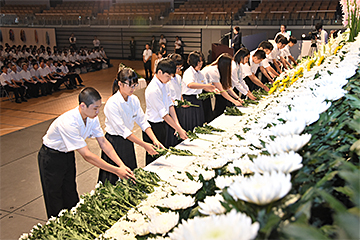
(6, 94)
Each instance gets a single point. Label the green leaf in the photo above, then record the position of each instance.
(302, 231)
(356, 147)
(348, 225)
(272, 222)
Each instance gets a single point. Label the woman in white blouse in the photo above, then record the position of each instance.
(194, 83)
(219, 74)
(121, 111)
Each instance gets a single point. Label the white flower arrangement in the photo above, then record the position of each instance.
(287, 143)
(231, 226)
(163, 223)
(261, 189)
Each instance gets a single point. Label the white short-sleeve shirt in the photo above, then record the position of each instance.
(275, 53)
(158, 100)
(245, 70)
(253, 66)
(68, 132)
(237, 80)
(285, 52)
(211, 73)
(175, 87)
(147, 53)
(25, 74)
(5, 77)
(121, 115)
(192, 76)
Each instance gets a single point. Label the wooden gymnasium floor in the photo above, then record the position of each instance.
(22, 127)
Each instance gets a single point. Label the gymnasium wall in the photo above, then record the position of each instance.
(29, 35)
(116, 40)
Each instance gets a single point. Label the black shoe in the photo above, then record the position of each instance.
(81, 85)
(24, 100)
(17, 101)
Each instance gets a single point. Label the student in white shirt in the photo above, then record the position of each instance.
(122, 110)
(162, 40)
(239, 86)
(218, 74)
(33, 87)
(147, 62)
(9, 86)
(249, 70)
(265, 66)
(35, 74)
(57, 155)
(178, 44)
(96, 42)
(159, 106)
(285, 52)
(283, 32)
(16, 79)
(193, 84)
(175, 94)
(280, 43)
(323, 33)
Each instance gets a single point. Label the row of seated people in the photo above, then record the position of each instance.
(82, 60)
(33, 79)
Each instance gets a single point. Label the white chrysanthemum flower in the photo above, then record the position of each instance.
(245, 164)
(284, 162)
(119, 229)
(24, 236)
(216, 163)
(62, 212)
(133, 215)
(232, 226)
(261, 189)
(140, 228)
(212, 205)
(163, 223)
(149, 211)
(287, 143)
(207, 175)
(188, 187)
(98, 184)
(225, 181)
(176, 202)
(289, 128)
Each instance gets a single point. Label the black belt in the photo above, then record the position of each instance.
(50, 150)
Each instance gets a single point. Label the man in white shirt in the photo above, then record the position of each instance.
(275, 55)
(43, 84)
(147, 62)
(57, 157)
(33, 87)
(96, 42)
(248, 72)
(285, 52)
(159, 106)
(323, 33)
(283, 32)
(10, 86)
(16, 79)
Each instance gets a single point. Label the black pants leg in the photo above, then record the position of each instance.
(57, 174)
(159, 130)
(14, 90)
(148, 72)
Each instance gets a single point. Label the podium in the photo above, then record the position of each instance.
(217, 49)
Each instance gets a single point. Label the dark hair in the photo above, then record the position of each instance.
(176, 58)
(237, 28)
(281, 39)
(283, 25)
(224, 66)
(266, 45)
(260, 54)
(88, 96)
(293, 39)
(2, 67)
(125, 74)
(318, 26)
(240, 54)
(166, 65)
(194, 58)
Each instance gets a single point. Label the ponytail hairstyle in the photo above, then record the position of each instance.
(223, 63)
(124, 74)
(241, 54)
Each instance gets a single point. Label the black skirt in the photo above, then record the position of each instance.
(238, 93)
(209, 114)
(159, 130)
(192, 116)
(124, 148)
(252, 86)
(171, 139)
(220, 105)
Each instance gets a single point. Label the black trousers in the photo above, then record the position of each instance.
(132, 51)
(125, 150)
(159, 130)
(18, 92)
(252, 86)
(148, 72)
(57, 174)
(33, 89)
